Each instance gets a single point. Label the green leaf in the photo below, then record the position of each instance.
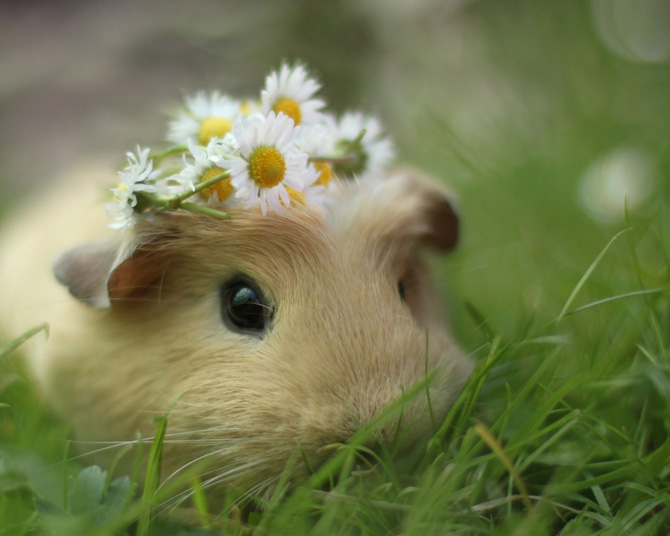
(88, 491)
(12, 482)
(47, 508)
(115, 500)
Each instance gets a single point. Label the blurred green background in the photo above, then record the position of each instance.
(539, 115)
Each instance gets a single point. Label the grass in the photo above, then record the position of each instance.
(563, 427)
(556, 432)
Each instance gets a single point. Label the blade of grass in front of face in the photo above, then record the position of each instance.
(344, 458)
(200, 501)
(152, 476)
(16, 343)
(342, 463)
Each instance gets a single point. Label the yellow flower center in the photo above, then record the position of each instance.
(296, 197)
(325, 173)
(245, 107)
(118, 195)
(266, 167)
(224, 189)
(289, 107)
(214, 127)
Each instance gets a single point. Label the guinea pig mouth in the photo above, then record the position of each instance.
(364, 461)
(373, 456)
(363, 446)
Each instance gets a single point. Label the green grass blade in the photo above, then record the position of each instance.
(152, 477)
(586, 276)
(614, 298)
(13, 345)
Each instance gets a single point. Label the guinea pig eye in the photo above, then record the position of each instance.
(401, 289)
(244, 308)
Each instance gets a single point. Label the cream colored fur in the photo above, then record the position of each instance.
(342, 346)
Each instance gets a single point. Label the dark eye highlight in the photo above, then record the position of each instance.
(244, 308)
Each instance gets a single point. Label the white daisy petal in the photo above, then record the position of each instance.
(284, 196)
(137, 176)
(275, 200)
(268, 162)
(291, 91)
(204, 116)
(263, 200)
(294, 183)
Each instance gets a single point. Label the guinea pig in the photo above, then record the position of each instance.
(264, 334)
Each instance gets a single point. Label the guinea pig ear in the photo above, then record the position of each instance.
(432, 205)
(443, 221)
(137, 274)
(103, 272)
(84, 270)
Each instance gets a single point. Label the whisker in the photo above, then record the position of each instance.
(176, 500)
(110, 445)
(185, 466)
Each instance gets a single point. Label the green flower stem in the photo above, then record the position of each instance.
(158, 158)
(146, 201)
(349, 155)
(176, 202)
(344, 159)
(192, 207)
(356, 142)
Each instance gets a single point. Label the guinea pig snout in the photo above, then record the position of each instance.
(368, 373)
(386, 396)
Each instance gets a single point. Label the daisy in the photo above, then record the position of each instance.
(373, 152)
(206, 116)
(290, 91)
(138, 176)
(250, 107)
(317, 141)
(267, 163)
(202, 168)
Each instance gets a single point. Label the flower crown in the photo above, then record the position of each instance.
(280, 151)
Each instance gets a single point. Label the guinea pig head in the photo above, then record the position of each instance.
(277, 333)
